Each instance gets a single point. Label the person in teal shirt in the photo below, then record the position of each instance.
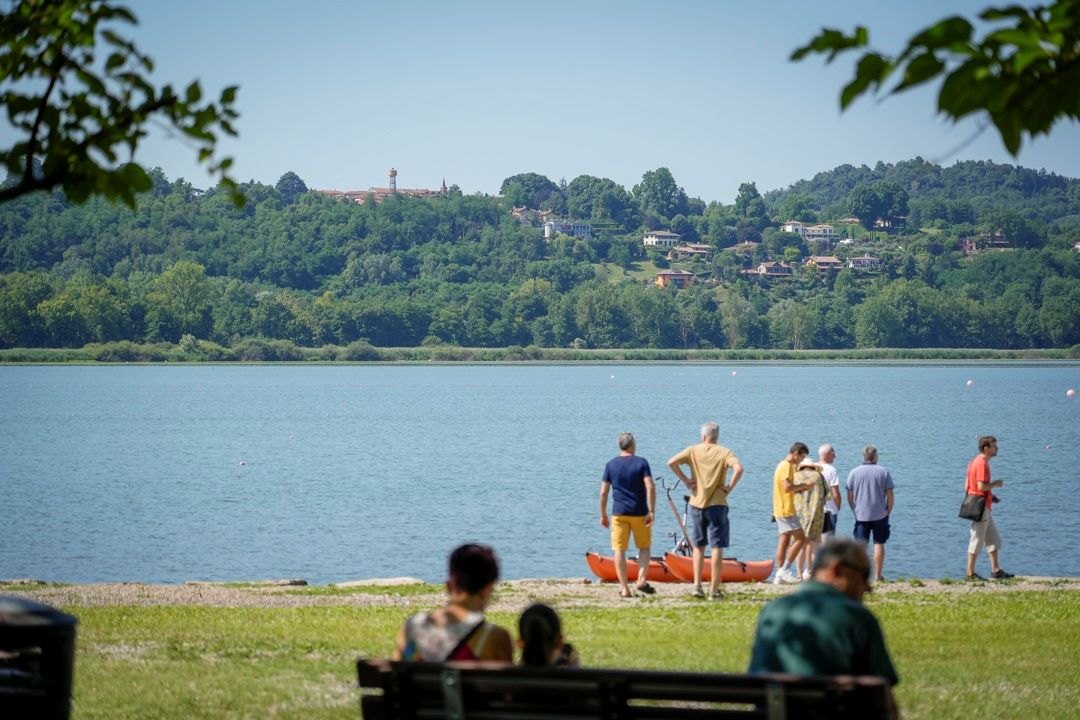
(823, 627)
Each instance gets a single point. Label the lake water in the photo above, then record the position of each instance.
(175, 473)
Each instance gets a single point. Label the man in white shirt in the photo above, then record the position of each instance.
(826, 458)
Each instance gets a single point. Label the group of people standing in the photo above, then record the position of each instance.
(806, 507)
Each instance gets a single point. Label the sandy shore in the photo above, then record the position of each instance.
(510, 595)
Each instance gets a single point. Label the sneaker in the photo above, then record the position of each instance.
(699, 594)
(718, 594)
(786, 576)
(776, 578)
(1002, 575)
(975, 577)
(805, 574)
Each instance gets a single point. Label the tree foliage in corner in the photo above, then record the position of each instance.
(79, 98)
(1024, 73)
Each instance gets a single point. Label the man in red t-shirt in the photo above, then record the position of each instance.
(983, 531)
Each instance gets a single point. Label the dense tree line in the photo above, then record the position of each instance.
(456, 269)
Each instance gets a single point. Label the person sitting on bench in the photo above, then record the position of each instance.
(823, 628)
(458, 630)
(541, 641)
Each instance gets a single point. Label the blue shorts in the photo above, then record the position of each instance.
(712, 522)
(879, 528)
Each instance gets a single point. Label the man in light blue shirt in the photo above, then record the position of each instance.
(870, 495)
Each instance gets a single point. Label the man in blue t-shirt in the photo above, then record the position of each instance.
(633, 511)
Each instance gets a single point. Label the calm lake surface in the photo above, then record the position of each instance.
(175, 473)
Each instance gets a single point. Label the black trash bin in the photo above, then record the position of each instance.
(37, 660)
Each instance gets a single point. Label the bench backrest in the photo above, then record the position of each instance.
(404, 691)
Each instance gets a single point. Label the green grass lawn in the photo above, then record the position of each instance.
(641, 270)
(971, 655)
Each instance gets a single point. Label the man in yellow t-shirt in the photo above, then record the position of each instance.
(709, 464)
(787, 522)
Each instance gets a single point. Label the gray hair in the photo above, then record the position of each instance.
(626, 441)
(710, 431)
(845, 552)
(826, 448)
(869, 453)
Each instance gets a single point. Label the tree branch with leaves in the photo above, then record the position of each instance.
(1024, 72)
(80, 99)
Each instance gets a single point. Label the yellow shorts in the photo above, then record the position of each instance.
(623, 525)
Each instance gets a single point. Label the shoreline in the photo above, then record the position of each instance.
(510, 595)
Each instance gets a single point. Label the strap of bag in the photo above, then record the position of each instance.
(465, 640)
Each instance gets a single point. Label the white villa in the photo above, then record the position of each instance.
(661, 238)
(864, 262)
(819, 233)
(574, 229)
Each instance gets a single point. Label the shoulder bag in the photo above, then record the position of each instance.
(973, 507)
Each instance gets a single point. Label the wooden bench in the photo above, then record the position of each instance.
(484, 691)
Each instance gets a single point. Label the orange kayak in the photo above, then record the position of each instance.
(604, 568)
(734, 570)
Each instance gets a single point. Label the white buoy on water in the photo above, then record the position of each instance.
(970, 383)
(733, 373)
(1070, 393)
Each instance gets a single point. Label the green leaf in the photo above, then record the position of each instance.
(115, 60)
(833, 42)
(943, 34)
(134, 176)
(228, 95)
(919, 70)
(1005, 12)
(871, 70)
(193, 93)
(1026, 39)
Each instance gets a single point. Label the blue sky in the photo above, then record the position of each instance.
(476, 91)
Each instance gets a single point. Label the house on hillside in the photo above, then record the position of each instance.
(661, 238)
(689, 250)
(824, 262)
(771, 269)
(793, 226)
(565, 227)
(820, 233)
(987, 241)
(680, 279)
(525, 215)
(866, 263)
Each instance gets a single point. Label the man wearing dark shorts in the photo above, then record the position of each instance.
(709, 464)
(870, 495)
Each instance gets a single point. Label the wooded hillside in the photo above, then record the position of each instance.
(972, 255)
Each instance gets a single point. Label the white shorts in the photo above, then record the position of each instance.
(984, 532)
(788, 524)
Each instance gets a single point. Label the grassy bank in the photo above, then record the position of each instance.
(257, 350)
(257, 652)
